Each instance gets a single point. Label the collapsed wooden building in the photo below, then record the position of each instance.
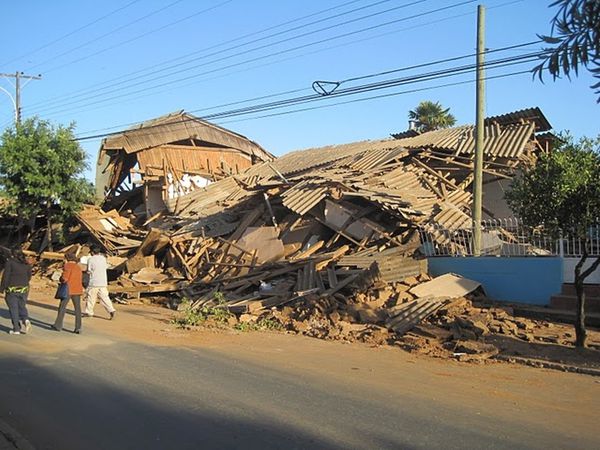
(168, 157)
(321, 220)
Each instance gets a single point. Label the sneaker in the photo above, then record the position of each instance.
(14, 332)
(54, 327)
(26, 326)
(87, 315)
(112, 315)
(77, 331)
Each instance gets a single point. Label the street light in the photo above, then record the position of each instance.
(14, 103)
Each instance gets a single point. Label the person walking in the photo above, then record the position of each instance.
(72, 275)
(15, 285)
(98, 284)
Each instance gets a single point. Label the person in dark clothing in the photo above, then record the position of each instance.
(72, 275)
(15, 285)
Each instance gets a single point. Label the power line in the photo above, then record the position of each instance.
(17, 98)
(115, 30)
(387, 83)
(504, 62)
(81, 92)
(262, 57)
(71, 33)
(305, 54)
(391, 94)
(178, 70)
(378, 85)
(140, 36)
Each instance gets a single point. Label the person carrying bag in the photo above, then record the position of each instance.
(15, 285)
(71, 287)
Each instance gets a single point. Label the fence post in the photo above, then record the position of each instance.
(561, 246)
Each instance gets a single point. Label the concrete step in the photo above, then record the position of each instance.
(569, 303)
(591, 290)
(554, 315)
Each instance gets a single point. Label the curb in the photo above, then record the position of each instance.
(549, 365)
(11, 435)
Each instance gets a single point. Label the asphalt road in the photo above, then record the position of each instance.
(131, 384)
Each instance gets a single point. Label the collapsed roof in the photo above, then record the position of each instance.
(164, 150)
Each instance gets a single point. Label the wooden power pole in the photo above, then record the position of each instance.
(18, 76)
(480, 102)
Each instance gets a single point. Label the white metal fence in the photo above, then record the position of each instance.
(504, 237)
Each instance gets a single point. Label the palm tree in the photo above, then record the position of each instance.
(430, 116)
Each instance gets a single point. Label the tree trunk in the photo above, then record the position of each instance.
(580, 331)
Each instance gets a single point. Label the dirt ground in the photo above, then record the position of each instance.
(551, 348)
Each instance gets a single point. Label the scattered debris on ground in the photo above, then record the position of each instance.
(324, 242)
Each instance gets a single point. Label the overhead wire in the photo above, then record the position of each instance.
(312, 52)
(380, 85)
(171, 82)
(183, 57)
(391, 94)
(437, 62)
(71, 33)
(178, 70)
(113, 31)
(140, 36)
(504, 62)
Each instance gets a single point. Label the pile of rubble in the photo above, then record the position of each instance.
(327, 241)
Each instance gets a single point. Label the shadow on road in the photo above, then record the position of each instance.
(102, 416)
(148, 397)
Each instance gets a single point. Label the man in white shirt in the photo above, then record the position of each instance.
(98, 284)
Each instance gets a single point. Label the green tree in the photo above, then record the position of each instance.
(575, 37)
(561, 193)
(430, 116)
(41, 170)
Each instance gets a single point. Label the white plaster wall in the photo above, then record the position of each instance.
(569, 271)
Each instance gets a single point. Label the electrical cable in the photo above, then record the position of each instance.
(79, 94)
(304, 54)
(359, 89)
(392, 94)
(71, 33)
(140, 36)
(115, 30)
(262, 57)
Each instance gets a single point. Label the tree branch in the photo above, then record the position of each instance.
(586, 273)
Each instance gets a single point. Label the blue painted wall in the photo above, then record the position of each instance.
(525, 280)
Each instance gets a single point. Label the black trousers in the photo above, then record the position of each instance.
(62, 308)
(17, 306)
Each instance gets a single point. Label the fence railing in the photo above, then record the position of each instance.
(505, 237)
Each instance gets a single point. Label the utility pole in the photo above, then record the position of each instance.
(480, 106)
(18, 76)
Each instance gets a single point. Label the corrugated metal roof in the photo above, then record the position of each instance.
(177, 127)
(300, 160)
(304, 196)
(534, 115)
(508, 142)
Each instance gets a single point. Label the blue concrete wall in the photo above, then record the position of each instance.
(525, 280)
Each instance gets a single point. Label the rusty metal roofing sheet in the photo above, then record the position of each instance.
(509, 141)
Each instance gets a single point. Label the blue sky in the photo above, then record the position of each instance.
(108, 64)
